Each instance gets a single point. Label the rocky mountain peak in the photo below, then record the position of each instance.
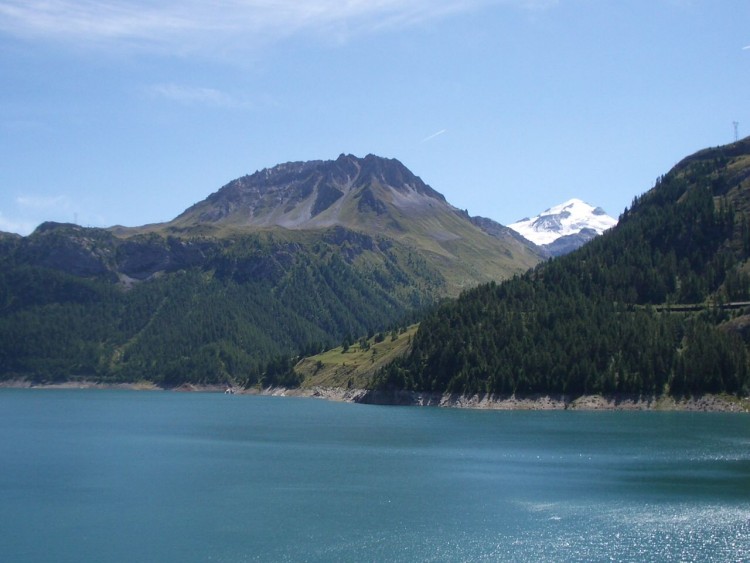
(314, 193)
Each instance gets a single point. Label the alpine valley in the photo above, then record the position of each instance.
(294, 260)
(285, 262)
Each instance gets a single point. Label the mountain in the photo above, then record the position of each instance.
(657, 305)
(287, 261)
(565, 227)
(372, 195)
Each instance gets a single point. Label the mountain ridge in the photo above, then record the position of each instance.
(293, 195)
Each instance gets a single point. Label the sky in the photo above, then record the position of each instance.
(128, 112)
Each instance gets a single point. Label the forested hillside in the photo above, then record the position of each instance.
(234, 313)
(654, 306)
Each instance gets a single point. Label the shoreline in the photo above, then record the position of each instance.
(538, 402)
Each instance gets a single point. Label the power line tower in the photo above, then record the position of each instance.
(736, 130)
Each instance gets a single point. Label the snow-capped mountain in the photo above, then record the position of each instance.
(565, 227)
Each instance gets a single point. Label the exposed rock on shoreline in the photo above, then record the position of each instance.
(713, 403)
(703, 403)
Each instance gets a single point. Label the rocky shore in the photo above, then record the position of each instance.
(702, 403)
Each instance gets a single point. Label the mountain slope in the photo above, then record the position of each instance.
(603, 319)
(372, 195)
(565, 227)
(287, 261)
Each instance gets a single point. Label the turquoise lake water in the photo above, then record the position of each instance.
(150, 476)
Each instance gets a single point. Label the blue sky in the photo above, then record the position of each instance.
(127, 112)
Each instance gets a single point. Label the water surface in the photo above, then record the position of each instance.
(95, 475)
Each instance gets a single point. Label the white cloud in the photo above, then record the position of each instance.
(191, 95)
(181, 26)
(88, 20)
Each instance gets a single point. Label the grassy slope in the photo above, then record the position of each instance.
(355, 367)
(465, 261)
(465, 254)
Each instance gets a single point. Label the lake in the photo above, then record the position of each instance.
(92, 475)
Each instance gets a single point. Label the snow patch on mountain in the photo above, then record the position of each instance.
(569, 218)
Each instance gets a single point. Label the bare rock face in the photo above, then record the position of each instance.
(302, 195)
(568, 243)
(140, 260)
(142, 257)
